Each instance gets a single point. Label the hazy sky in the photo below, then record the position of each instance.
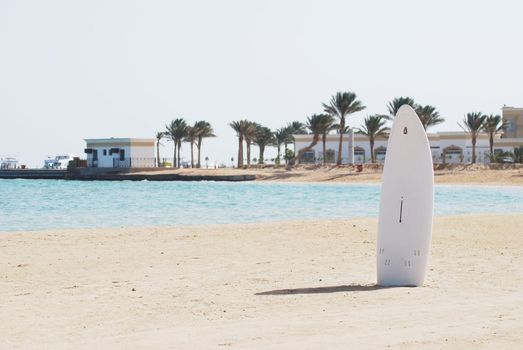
(71, 70)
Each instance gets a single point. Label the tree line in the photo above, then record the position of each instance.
(334, 118)
(178, 131)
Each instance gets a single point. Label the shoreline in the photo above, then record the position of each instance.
(287, 284)
(95, 230)
(451, 174)
(498, 174)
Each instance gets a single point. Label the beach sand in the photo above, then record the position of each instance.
(285, 285)
(470, 174)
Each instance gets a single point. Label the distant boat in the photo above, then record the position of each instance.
(8, 163)
(58, 162)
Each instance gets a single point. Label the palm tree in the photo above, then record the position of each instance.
(240, 127)
(298, 128)
(280, 137)
(372, 127)
(159, 136)
(249, 135)
(263, 137)
(176, 131)
(191, 137)
(492, 125)
(345, 130)
(394, 105)
(326, 124)
(341, 105)
(294, 128)
(428, 116)
(315, 125)
(170, 132)
(473, 124)
(204, 130)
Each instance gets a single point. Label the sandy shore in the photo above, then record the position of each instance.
(457, 174)
(290, 285)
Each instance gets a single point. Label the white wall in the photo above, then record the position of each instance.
(437, 147)
(141, 156)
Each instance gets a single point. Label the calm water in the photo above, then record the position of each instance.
(34, 205)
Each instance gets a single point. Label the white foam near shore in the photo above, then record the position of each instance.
(308, 284)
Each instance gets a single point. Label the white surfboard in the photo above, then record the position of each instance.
(407, 203)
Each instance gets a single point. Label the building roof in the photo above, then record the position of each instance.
(510, 108)
(120, 142)
(117, 139)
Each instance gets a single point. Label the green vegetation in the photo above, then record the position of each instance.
(334, 119)
(492, 125)
(473, 124)
(394, 105)
(341, 105)
(179, 131)
(203, 130)
(428, 115)
(263, 137)
(159, 136)
(374, 126)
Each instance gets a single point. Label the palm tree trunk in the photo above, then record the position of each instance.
(174, 155)
(473, 149)
(324, 140)
(491, 142)
(158, 153)
(179, 149)
(285, 155)
(372, 156)
(199, 146)
(192, 154)
(240, 151)
(340, 146)
(279, 151)
(262, 150)
(248, 152)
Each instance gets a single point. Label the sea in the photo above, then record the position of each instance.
(27, 205)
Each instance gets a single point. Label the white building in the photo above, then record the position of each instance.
(120, 153)
(447, 147)
(8, 163)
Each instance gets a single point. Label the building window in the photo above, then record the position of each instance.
(308, 157)
(105, 152)
(330, 156)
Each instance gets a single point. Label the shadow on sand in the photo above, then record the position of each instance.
(323, 290)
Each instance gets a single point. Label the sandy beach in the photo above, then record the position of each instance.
(471, 174)
(285, 285)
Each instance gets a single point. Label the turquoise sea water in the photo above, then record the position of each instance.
(49, 204)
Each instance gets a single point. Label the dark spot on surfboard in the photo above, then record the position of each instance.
(405, 130)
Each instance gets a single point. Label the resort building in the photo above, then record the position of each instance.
(120, 153)
(447, 147)
(8, 163)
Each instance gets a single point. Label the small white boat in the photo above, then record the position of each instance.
(8, 163)
(58, 162)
